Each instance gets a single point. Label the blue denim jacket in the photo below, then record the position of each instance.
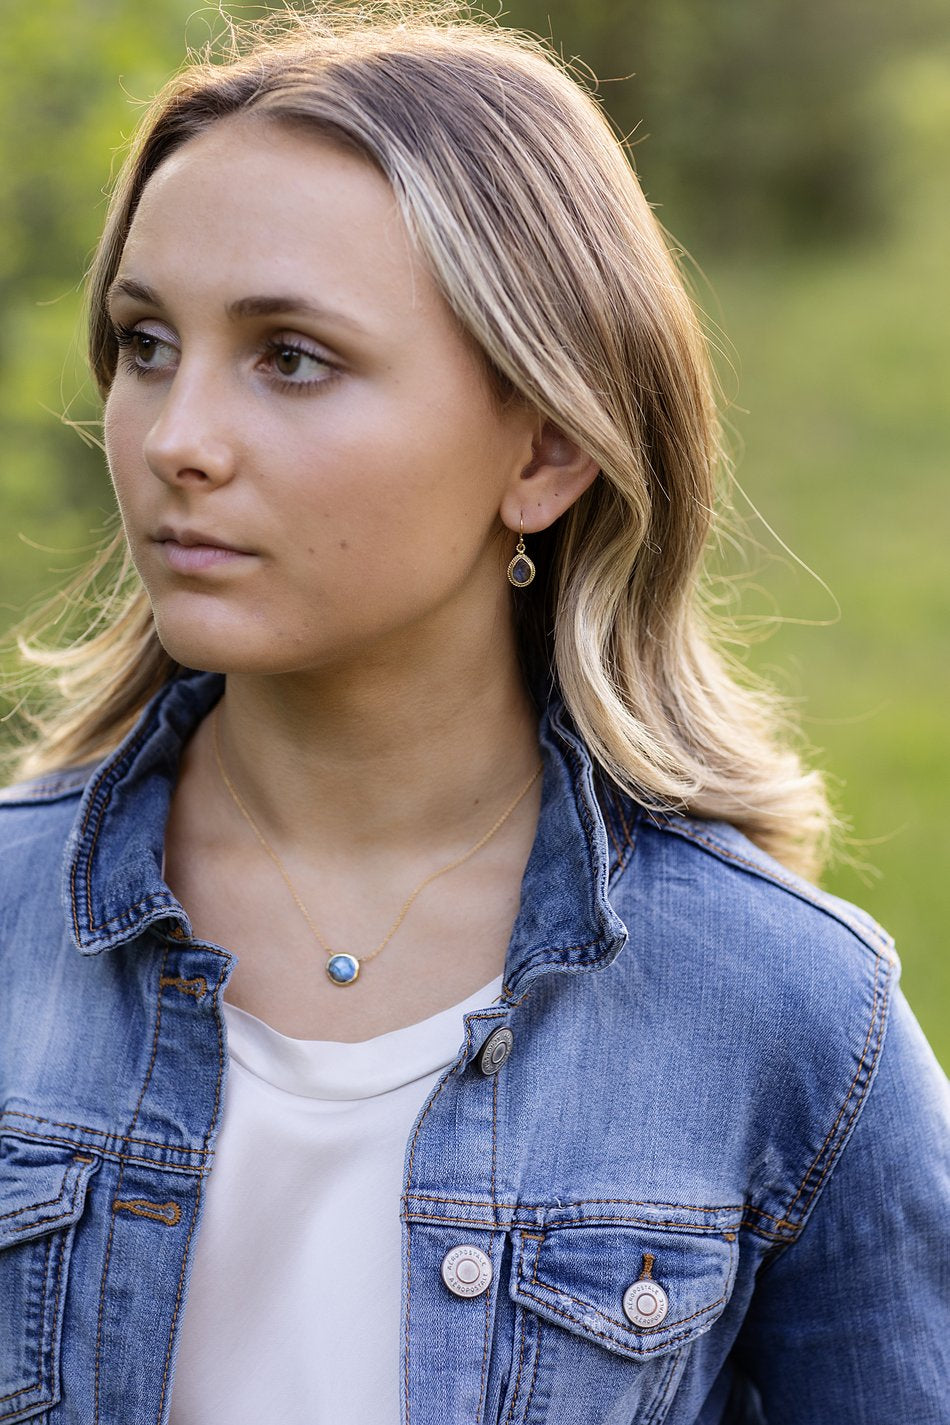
(699, 1095)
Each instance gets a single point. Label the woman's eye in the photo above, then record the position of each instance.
(144, 351)
(151, 351)
(296, 365)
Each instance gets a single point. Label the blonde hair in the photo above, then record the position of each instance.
(526, 208)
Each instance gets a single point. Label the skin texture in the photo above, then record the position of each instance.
(374, 719)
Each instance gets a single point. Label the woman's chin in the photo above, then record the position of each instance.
(211, 650)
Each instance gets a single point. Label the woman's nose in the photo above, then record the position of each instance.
(190, 442)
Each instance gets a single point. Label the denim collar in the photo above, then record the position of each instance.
(113, 888)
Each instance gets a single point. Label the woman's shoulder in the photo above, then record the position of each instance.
(759, 987)
(709, 875)
(62, 784)
(36, 817)
(721, 926)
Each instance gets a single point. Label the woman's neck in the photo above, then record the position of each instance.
(381, 753)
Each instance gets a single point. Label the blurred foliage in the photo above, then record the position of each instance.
(800, 149)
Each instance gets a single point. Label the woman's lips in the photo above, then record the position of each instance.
(198, 558)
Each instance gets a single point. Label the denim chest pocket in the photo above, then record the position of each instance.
(42, 1195)
(605, 1314)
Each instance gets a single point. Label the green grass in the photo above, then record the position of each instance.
(841, 368)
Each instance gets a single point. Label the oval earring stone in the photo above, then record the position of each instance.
(343, 969)
(521, 571)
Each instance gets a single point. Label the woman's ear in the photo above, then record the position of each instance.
(557, 474)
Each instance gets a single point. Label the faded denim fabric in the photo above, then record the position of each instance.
(700, 1093)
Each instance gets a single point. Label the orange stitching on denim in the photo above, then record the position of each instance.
(405, 1369)
(694, 1229)
(181, 1283)
(23, 1390)
(482, 1381)
(97, 1133)
(32, 1206)
(197, 987)
(83, 1158)
(59, 1283)
(608, 823)
(167, 1212)
(614, 1321)
(105, 1265)
(800, 889)
(534, 1374)
(517, 1390)
(93, 791)
(48, 1222)
(619, 803)
(833, 1155)
(494, 1143)
(221, 1062)
(605, 1335)
(584, 1202)
(488, 1223)
(831, 1132)
(665, 1389)
(196, 1170)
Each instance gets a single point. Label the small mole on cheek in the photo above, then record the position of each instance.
(343, 544)
(310, 549)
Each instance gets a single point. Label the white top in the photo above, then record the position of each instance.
(293, 1309)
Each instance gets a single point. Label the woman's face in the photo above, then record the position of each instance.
(307, 458)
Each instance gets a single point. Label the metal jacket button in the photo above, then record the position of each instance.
(495, 1051)
(645, 1303)
(466, 1270)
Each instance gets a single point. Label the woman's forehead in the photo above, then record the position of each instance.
(253, 210)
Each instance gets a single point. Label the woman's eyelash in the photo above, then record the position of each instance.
(276, 347)
(125, 339)
(126, 336)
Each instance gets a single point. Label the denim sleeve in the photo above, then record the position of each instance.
(851, 1323)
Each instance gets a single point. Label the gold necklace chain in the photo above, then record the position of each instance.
(343, 968)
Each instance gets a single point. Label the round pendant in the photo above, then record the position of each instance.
(521, 571)
(343, 969)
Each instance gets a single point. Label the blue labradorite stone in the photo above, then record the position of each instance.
(521, 571)
(343, 969)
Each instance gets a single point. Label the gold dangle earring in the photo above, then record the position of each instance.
(521, 570)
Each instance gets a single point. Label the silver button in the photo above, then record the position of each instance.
(645, 1303)
(495, 1051)
(466, 1270)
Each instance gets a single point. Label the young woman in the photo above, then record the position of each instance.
(412, 1008)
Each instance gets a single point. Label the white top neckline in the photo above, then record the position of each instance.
(334, 1069)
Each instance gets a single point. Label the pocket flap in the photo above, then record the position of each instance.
(42, 1189)
(579, 1276)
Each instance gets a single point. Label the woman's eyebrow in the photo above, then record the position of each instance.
(244, 307)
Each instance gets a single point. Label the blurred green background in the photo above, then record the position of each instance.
(799, 153)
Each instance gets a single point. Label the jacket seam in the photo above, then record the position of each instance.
(582, 1202)
(877, 1014)
(192, 1170)
(99, 1133)
(871, 936)
(612, 1321)
(98, 801)
(118, 1189)
(38, 1386)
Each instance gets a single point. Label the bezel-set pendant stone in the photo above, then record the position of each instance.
(343, 969)
(521, 571)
